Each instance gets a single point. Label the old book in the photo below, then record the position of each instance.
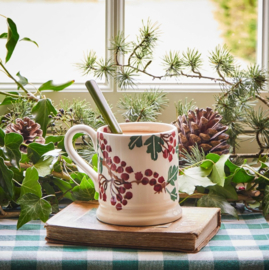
(76, 224)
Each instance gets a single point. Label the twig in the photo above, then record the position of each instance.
(251, 209)
(26, 166)
(249, 155)
(30, 95)
(263, 100)
(11, 95)
(4, 214)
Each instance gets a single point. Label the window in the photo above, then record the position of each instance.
(63, 29)
(67, 29)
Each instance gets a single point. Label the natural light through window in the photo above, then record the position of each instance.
(65, 31)
(197, 24)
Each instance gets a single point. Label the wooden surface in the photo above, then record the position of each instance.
(77, 224)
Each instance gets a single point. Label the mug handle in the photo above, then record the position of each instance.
(68, 143)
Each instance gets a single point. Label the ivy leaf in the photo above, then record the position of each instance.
(12, 148)
(2, 137)
(24, 158)
(18, 174)
(214, 157)
(54, 139)
(32, 208)
(22, 80)
(43, 165)
(4, 197)
(241, 176)
(6, 176)
(12, 38)
(191, 178)
(154, 146)
(95, 160)
(85, 191)
(65, 187)
(10, 100)
(213, 200)
(265, 201)
(3, 35)
(227, 191)
(36, 150)
(172, 175)
(78, 176)
(231, 166)
(41, 112)
(135, 141)
(96, 196)
(28, 39)
(30, 183)
(49, 85)
(218, 174)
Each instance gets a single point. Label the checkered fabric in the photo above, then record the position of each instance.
(240, 244)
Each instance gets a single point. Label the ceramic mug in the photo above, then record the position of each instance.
(137, 172)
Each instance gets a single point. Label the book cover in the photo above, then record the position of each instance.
(77, 224)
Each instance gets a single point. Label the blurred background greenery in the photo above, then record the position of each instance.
(238, 20)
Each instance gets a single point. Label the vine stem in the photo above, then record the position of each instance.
(50, 195)
(195, 164)
(26, 166)
(30, 95)
(251, 169)
(11, 95)
(187, 197)
(16, 182)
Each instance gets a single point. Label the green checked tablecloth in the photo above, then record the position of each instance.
(240, 244)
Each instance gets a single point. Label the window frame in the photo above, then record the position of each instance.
(115, 23)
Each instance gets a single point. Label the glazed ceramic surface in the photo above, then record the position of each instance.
(137, 172)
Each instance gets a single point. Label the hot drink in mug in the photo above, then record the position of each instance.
(137, 172)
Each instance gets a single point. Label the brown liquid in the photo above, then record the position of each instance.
(139, 132)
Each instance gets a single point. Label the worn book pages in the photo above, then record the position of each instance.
(77, 224)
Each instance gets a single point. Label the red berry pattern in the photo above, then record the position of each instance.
(122, 176)
(169, 144)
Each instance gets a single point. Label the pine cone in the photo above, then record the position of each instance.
(29, 129)
(204, 128)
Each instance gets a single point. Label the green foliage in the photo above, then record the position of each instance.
(33, 207)
(214, 200)
(184, 107)
(49, 85)
(11, 148)
(238, 19)
(196, 155)
(41, 112)
(80, 112)
(144, 107)
(12, 38)
(38, 180)
(220, 177)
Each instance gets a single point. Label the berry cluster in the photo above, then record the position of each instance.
(123, 177)
(169, 145)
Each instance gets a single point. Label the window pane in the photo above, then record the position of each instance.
(64, 30)
(197, 24)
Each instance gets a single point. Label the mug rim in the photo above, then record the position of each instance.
(145, 124)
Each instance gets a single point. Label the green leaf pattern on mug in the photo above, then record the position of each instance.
(172, 175)
(154, 146)
(135, 141)
(165, 144)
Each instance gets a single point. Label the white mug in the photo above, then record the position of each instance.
(137, 172)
